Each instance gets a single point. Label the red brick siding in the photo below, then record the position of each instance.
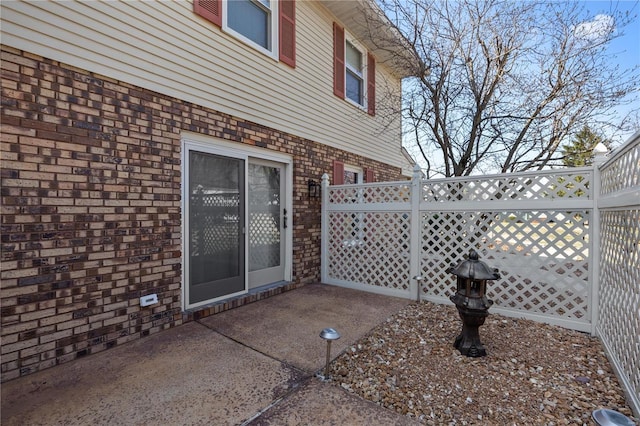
(91, 209)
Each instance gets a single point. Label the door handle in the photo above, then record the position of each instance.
(284, 219)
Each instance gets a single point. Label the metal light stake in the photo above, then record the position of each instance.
(328, 334)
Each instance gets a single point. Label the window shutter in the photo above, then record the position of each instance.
(338, 60)
(209, 9)
(338, 172)
(371, 84)
(288, 32)
(369, 175)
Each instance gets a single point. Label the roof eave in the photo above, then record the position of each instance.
(368, 23)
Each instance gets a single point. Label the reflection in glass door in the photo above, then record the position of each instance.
(216, 243)
(267, 221)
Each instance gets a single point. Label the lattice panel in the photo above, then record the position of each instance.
(370, 248)
(263, 228)
(369, 193)
(264, 240)
(623, 173)
(213, 237)
(217, 200)
(509, 187)
(619, 317)
(542, 257)
(214, 223)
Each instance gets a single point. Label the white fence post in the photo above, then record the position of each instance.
(600, 156)
(415, 233)
(324, 228)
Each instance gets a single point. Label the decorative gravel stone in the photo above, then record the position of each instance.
(533, 374)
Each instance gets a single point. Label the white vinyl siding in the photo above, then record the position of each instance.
(166, 47)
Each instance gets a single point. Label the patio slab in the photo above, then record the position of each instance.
(254, 363)
(287, 327)
(186, 375)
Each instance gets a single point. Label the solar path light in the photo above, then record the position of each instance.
(606, 417)
(328, 334)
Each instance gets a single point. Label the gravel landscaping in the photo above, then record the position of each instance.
(533, 374)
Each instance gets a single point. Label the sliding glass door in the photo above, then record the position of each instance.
(215, 227)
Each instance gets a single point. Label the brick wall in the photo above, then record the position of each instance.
(91, 209)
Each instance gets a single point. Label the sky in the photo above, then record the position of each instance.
(626, 48)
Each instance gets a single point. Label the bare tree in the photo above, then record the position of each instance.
(501, 85)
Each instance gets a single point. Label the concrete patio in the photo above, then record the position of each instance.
(252, 365)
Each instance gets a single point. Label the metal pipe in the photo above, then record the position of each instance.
(328, 334)
(326, 367)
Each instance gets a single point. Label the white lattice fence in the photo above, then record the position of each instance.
(264, 239)
(541, 255)
(622, 174)
(366, 237)
(370, 249)
(539, 229)
(376, 193)
(619, 298)
(568, 184)
(534, 227)
(215, 223)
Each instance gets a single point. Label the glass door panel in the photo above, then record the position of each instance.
(215, 227)
(267, 219)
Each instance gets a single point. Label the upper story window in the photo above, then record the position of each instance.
(354, 71)
(266, 25)
(253, 21)
(353, 74)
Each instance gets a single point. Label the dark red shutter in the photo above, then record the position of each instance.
(287, 30)
(338, 172)
(209, 9)
(338, 60)
(371, 84)
(369, 175)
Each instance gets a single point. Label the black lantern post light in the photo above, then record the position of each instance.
(472, 302)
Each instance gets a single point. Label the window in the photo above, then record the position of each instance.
(266, 25)
(344, 174)
(252, 20)
(352, 175)
(353, 79)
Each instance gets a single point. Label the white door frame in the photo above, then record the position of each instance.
(198, 142)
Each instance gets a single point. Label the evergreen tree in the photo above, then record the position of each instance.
(579, 152)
